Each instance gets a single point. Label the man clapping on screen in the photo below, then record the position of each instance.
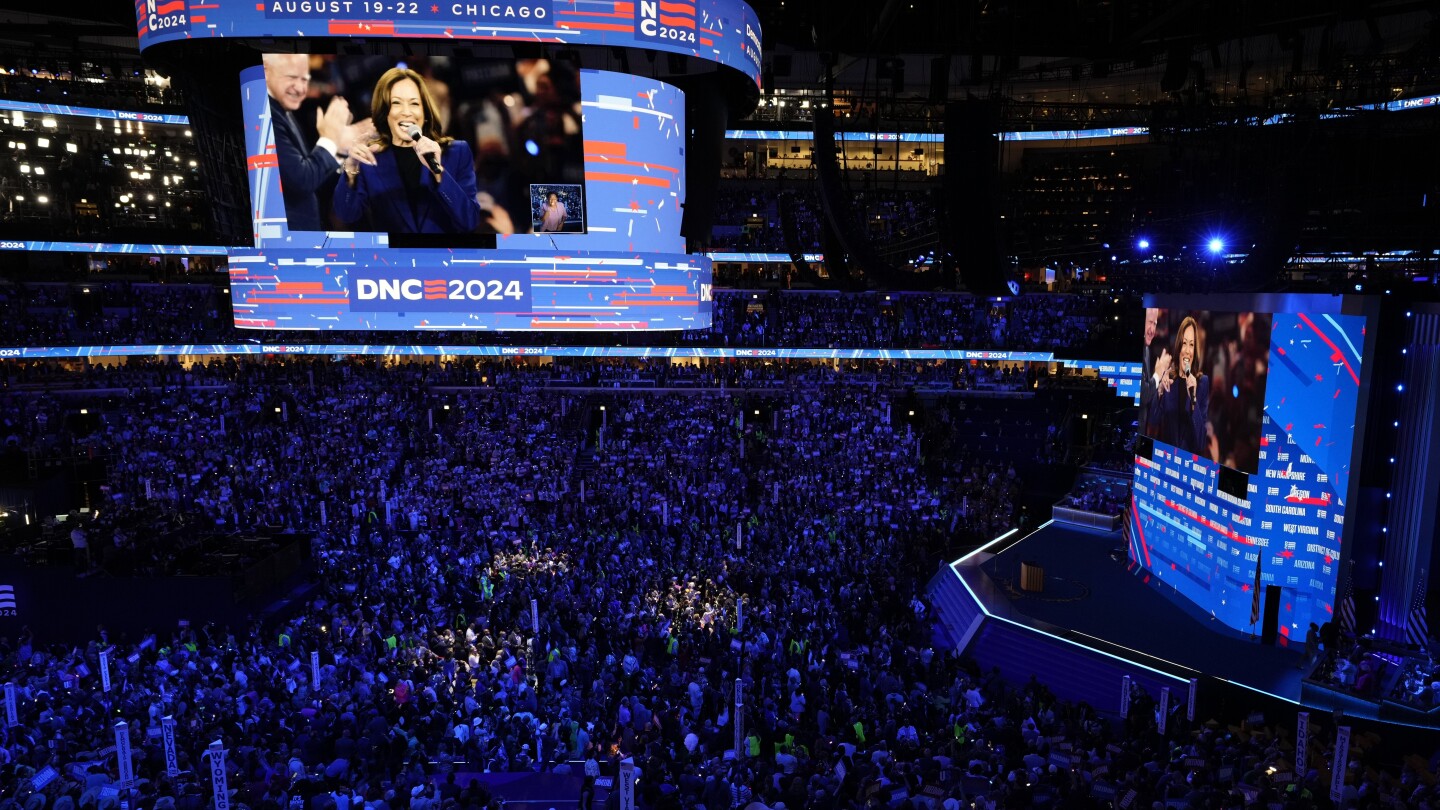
(304, 169)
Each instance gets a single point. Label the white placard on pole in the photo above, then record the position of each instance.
(1190, 701)
(740, 615)
(1340, 763)
(322, 514)
(12, 709)
(1164, 709)
(739, 719)
(125, 766)
(1302, 745)
(535, 616)
(105, 670)
(739, 537)
(315, 670)
(218, 781)
(167, 735)
(627, 784)
(1125, 696)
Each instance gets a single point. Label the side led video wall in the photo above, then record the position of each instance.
(1252, 415)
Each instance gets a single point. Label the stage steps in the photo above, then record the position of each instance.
(956, 612)
(1075, 673)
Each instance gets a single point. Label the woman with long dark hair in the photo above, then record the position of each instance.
(411, 178)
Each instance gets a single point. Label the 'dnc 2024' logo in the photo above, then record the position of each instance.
(166, 16)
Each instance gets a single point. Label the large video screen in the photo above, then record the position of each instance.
(627, 270)
(1205, 386)
(1305, 368)
(430, 150)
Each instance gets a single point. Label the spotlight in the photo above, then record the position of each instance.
(1216, 245)
(1143, 244)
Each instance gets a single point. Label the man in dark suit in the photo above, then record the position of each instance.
(303, 169)
(1154, 366)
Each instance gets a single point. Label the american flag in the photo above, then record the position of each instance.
(1347, 606)
(1417, 629)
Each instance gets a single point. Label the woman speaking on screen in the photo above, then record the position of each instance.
(410, 179)
(1179, 412)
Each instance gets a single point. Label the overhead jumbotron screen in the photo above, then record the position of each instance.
(723, 32)
(430, 150)
(1253, 415)
(614, 260)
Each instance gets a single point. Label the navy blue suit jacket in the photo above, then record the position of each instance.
(302, 171)
(1173, 421)
(446, 207)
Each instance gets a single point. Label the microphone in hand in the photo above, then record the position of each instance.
(412, 131)
(1190, 383)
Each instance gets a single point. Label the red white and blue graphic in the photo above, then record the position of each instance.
(165, 19)
(726, 32)
(628, 272)
(451, 290)
(1207, 544)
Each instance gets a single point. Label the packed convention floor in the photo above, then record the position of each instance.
(671, 542)
(1089, 326)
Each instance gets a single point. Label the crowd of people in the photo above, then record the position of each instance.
(670, 544)
(429, 550)
(121, 312)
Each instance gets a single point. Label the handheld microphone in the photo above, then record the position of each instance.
(412, 131)
(1185, 368)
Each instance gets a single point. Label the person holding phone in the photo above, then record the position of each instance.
(411, 178)
(1179, 412)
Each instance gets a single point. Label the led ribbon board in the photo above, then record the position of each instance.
(726, 32)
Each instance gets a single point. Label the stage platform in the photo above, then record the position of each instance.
(1088, 592)
(1098, 618)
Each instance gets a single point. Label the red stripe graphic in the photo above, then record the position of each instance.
(678, 22)
(591, 26)
(361, 29)
(590, 14)
(604, 148)
(173, 7)
(677, 8)
(296, 302)
(625, 178)
(1205, 521)
(1140, 527)
(1338, 355)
